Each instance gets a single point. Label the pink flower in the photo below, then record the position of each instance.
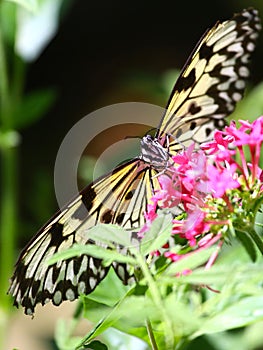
(184, 157)
(170, 193)
(200, 180)
(173, 256)
(220, 142)
(249, 134)
(192, 227)
(221, 180)
(254, 137)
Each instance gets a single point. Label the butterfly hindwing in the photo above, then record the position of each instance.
(120, 197)
(211, 82)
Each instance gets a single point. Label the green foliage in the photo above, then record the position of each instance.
(225, 297)
(32, 107)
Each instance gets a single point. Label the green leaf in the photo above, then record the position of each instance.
(108, 234)
(109, 291)
(191, 261)
(116, 339)
(131, 312)
(8, 18)
(106, 318)
(256, 238)
(257, 204)
(185, 321)
(238, 314)
(33, 107)
(96, 345)
(91, 249)
(158, 234)
(220, 274)
(214, 276)
(248, 243)
(63, 338)
(95, 311)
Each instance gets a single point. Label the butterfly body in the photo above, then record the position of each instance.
(210, 84)
(153, 153)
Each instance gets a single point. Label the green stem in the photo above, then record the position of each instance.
(168, 328)
(18, 80)
(151, 335)
(8, 193)
(9, 97)
(4, 98)
(8, 220)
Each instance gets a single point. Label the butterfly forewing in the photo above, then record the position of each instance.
(212, 81)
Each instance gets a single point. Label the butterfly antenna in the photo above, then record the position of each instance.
(183, 147)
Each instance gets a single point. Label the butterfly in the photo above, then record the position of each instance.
(212, 81)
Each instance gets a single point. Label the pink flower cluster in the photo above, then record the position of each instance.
(203, 184)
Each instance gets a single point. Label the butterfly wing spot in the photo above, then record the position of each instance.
(56, 234)
(81, 287)
(107, 216)
(88, 197)
(243, 72)
(208, 132)
(240, 84)
(186, 82)
(219, 123)
(206, 52)
(194, 109)
(120, 218)
(245, 58)
(192, 125)
(121, 271)
(236, 96)
(57, 298)
(179, 133)
(250, 47)
(129, 195)
(70, 295)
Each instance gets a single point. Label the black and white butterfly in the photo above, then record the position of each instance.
(210, 84)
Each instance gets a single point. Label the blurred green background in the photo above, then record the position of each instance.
(102, 53)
